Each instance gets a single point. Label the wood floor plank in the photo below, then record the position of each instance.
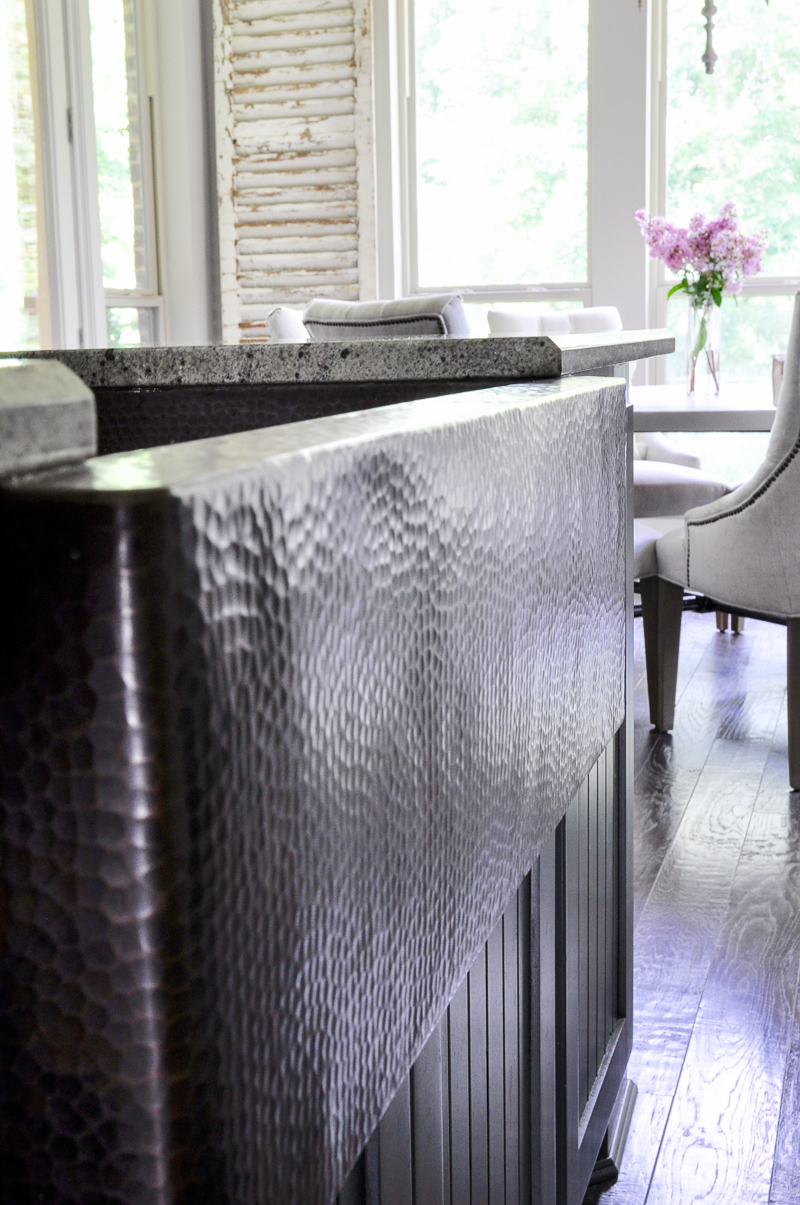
(785, 1187)
(699, 714)
(680, 926)
(663, 1024)
(769, 830)
(775, 794)
(721, 1135)
(661, 794)
(689, 900)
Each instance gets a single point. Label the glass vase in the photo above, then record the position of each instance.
(703, 350)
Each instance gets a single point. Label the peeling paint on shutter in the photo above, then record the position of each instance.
(294, 155)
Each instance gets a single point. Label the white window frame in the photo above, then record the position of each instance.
(620, 179)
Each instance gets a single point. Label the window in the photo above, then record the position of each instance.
(81, 266)
(511, 143)
(500, 129)
(730, 136)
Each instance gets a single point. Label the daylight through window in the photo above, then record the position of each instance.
(501, 143)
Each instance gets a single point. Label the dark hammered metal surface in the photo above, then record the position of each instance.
(279, 743)
(82, 1091)
(147, 418)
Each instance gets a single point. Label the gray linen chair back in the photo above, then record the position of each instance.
(744, 549)
(786, 428)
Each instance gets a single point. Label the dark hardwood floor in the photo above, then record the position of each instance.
(716, 1053)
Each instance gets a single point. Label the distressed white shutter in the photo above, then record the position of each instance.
(294, 155)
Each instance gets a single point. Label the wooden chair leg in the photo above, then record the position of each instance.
(793, 699)
(737, 624)
(662, 610)
(722, 621)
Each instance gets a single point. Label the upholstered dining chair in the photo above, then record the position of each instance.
(742, 553)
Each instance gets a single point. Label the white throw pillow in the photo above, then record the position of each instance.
(555, 323)
(507, 322)
(285, 325)
(595, 318)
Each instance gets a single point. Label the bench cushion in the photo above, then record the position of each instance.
(644, 550)
(661, 488)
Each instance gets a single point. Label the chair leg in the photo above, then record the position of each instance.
(722, 621)
(662, 610)
(737, 624)
(793, 699)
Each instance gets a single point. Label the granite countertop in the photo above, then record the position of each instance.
(524, 357)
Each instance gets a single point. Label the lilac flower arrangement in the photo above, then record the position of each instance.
(714, 256)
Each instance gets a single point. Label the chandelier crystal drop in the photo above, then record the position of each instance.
(710, 54)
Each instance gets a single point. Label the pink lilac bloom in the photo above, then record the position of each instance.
(711, 256)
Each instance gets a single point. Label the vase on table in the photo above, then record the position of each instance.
(711, 258)
(703, 349)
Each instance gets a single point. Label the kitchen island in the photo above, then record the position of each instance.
(315, 840)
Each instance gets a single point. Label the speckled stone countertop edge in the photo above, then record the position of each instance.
(527, 357)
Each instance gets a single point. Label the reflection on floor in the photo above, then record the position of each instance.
(717, 873)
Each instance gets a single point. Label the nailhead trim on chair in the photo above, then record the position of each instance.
(762, 489)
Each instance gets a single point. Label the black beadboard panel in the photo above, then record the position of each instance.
(593, 860)
(462, 1095)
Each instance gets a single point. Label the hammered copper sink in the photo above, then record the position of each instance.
(286, 717)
